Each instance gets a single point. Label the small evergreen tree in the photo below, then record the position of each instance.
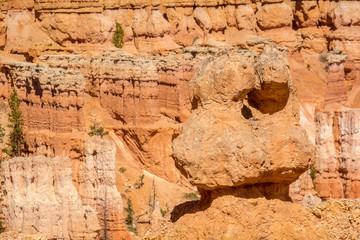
(97, 130)
(129, 220)
(16, 139)
(118, 38)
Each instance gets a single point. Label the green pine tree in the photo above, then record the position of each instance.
(16, 139)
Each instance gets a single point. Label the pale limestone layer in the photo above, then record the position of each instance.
(337, 143)
(41, 198)
(97, 186)
(20, 236)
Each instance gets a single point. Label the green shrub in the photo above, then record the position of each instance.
(122, 169)
(129, 220)
(313, 173)
(97, 130)
(139, 182)
(308, 67)
(164, 211)
(118, 38)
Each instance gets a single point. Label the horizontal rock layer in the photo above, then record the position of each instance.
(163, 26)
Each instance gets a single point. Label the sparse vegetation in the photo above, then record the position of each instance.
(164, 211)
(326, 68)
(139, 183)
(129, 220)
(191, 196)
(152, 197)
(16, 140)
(97, 130)
(37, 65)
(129, 209)
(308, 67)
(313, 173)
(118, 38)
(122, 169)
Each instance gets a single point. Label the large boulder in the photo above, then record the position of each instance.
(244, 127)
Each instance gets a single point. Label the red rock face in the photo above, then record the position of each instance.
(52, 101)
(147, 94)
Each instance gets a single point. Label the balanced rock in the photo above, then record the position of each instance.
(244, 127)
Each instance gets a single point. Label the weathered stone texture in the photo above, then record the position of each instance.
(52, 102)
(40, 197)
(230, 138)
(338, 152)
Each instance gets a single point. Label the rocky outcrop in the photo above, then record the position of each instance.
(341, 218)
(146, 88)
(40, 197)
(230, 138)
(52, 102)
(246, 200)
(164, 25)
(336, 90)
(232, 217)
(337, 154)
(97, 186)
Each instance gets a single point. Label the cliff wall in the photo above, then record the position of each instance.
(166, 25)
(41, 196)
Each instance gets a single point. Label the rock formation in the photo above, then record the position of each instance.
(231, 148)
(52, 102)
(231, 138)
(167, 25)
(61, 59)
(337, 154)
(40, 197)
(246, 200)
(97, 186)
(20, 236)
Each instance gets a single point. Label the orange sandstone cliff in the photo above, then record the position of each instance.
(249, 104)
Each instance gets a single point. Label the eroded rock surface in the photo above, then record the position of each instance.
(41, 198)
(52, 106)
(243, 128)
(43, 195)
(338, 165)
(97, 186)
